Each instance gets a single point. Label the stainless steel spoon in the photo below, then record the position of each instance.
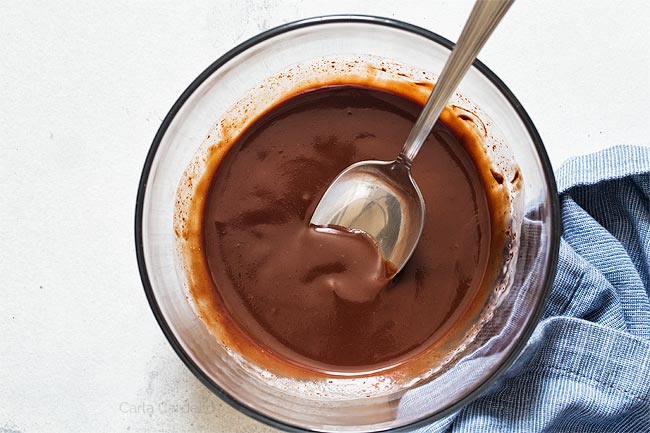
(381, 198)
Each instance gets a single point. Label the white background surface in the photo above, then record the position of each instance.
(83, 88)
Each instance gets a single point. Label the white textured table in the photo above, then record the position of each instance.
(83, 89)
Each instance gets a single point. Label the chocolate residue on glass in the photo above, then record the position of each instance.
(293, 299)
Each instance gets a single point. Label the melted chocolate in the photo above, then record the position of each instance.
(325, 301)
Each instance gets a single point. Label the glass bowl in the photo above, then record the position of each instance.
(355, 403)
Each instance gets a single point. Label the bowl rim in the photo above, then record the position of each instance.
(555, 229)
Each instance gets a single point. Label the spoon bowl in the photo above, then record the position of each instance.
(381, 199)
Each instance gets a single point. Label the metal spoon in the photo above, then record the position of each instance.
(381, 198)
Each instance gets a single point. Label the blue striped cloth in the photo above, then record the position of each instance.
(586, 367)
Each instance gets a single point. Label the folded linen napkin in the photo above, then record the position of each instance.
(586, 368)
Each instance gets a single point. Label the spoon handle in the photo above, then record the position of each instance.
(484, 18)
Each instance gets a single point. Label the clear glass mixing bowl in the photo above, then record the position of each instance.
(343, 404)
